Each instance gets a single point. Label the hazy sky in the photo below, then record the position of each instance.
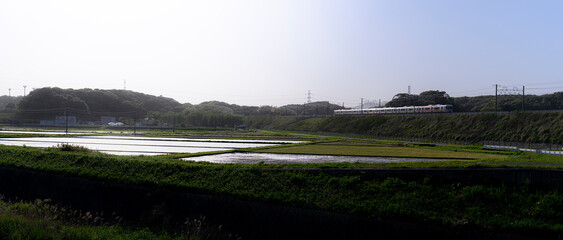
(272, 52)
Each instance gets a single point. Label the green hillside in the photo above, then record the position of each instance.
(89, 103)
(517, 127)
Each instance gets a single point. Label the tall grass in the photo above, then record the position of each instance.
(41, 220)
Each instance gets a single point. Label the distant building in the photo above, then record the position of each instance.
(149, 121)
(106, 119)
(70, 120)
(115, 124)
(47, 122)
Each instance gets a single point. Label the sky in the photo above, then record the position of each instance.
(255, 52)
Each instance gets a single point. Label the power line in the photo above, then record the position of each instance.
(546, 88)
(545, 83)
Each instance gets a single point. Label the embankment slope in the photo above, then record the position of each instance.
(514, 127)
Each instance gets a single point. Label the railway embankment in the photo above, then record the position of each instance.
(523, 127)
(156, 206)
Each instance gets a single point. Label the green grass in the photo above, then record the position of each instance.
(499, 207)
(515, 127)
(381, 151)
(9, 115)
(41, 220)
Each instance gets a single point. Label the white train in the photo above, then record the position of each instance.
(397, 110)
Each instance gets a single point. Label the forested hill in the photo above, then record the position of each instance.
(487, 103)
(89, 105)
(8, 103)
(42, 100)
(552, 101)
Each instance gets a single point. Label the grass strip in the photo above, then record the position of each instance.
(381, 151)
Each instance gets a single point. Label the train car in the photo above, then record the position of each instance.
(439, 108)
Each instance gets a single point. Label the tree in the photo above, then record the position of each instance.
(404, 99)
(90, 105)
(425, 98)
(10, 106)
(435, 97)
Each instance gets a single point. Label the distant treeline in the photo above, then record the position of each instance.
(481, 103)
(89, 105)
(8, 103)
(129, 107)
(552, 101)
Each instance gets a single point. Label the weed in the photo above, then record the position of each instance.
(65, 147)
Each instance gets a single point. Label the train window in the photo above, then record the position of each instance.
(449, 107)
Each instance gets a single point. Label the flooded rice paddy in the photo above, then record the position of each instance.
(142, 145)
(276, 158)
(124, 145)
(39, 132)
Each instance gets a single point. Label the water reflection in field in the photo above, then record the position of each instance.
(140, 145)
(38, 132)
(275, 158)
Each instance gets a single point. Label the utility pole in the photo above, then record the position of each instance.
(409, 95)
(496, 98)
(66, 123)
(174, 124)
(9, 92)
(362, 106)
(309, 96)
(380, 103)
(134, 123)
(24, 86)
(523, 92)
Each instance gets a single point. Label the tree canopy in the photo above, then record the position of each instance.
(552, 101)
(424, 98)
(45, 102)
(9, 103)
